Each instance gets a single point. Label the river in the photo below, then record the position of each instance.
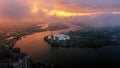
(35, 46)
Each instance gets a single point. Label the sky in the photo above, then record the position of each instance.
(42, 10)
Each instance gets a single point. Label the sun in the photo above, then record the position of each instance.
(60, 13)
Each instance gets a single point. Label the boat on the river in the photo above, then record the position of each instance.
(59, 40)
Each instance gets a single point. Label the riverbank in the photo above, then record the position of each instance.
(7, 38)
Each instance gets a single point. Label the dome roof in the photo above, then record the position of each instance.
(59, 37)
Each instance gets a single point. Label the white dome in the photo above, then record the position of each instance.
(59, 37)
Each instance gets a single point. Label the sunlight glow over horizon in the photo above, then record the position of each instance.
(62, 14)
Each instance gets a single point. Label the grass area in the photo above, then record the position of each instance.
(94, 37)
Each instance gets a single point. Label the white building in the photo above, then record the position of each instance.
(59, 37)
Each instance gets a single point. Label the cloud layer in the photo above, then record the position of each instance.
(50, 10)
(89, 5)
